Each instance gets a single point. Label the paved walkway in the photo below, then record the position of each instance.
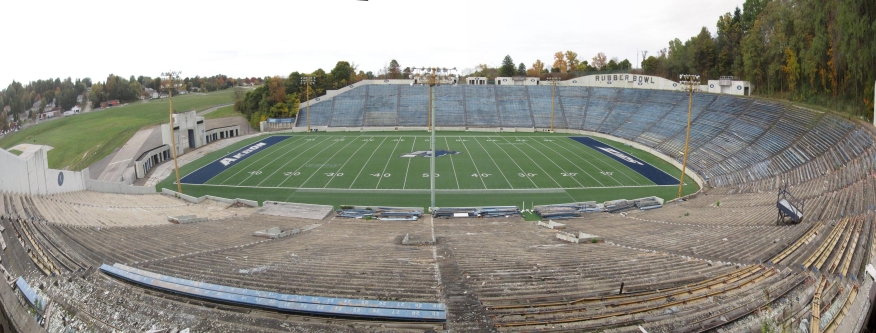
(202, 113)
(126, 155)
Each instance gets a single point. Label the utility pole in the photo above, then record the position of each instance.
(692, 83)
(553, 79)
(169, 84)
(433, 77)
(308, 80)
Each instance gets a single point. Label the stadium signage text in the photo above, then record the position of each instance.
(620, 155)
(228, 160)
(626, 77)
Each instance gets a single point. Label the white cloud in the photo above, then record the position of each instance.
(48, 39)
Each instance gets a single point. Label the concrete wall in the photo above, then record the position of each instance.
(31, 175)
(115, 187)
(196, 200)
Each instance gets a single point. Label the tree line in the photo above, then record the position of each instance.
(814, 51)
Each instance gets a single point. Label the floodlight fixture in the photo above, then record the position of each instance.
(172, 76)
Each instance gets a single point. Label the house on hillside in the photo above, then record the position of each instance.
(112, 103)
(49, 115)
(76, 109)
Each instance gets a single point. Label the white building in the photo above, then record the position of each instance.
(476, 80)
(517, 81)
(730, 85)
(188, 129)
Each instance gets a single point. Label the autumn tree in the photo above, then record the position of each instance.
(537, 68)
(599, 61)
(560, 62)
(572, 61)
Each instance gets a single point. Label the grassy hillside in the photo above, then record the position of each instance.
(223, 112)
(83, 139)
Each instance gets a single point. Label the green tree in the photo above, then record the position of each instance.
(394, 69)
(624, 64)
(507, 68)
(521, 69)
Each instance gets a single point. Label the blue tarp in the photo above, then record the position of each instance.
(653, 174)
(29, 294)
(328, 306)
(216, 167)
(281, 120)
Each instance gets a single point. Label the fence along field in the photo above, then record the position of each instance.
(356, 167)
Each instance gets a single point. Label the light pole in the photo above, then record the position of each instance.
(169, 84)
(308, 80)
(433, 77)
(553, 80)
(689, 83)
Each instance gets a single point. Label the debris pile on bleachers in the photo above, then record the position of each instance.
(619, 205)
(647, 203)
(565, 211)
(275, 233)
(380, 213)
(184, 219)
(496, 211)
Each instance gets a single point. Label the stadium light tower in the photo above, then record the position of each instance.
(690, 83)
(170, 83)
(433, 76)
(553, 79)
(308, 80)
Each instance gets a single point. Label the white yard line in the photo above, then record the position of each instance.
(515, 163)
(305, 162)
(494, 163)
(329, 160)
(348, 160)
(287, 162)
(473, 163)
(451, 164)
(387, 163)
(588, 161)
(536, 164)
(576, 165)
(366, 162)
(405, 184)
(426, 189)
(586, 149)
(243, 165)
(558, 166)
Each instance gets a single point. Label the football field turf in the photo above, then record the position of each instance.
(471, 169)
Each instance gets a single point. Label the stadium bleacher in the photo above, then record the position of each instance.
(691, 266)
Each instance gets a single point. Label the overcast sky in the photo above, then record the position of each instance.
(48, 39)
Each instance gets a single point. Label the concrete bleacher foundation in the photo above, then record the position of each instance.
(275, 232)
(289, 209)
(185, 219)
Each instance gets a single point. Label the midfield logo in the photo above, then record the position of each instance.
(428, 153)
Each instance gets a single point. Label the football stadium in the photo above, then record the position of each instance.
(437, 202)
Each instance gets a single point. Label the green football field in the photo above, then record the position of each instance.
(392, 168)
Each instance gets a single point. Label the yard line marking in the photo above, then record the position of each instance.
(494, 162)
(365, 190)
(287, 162)
(387, 162)
(305, 162)
(557, 165)
(537, 164)
(575, 164)
(472, 162)
(366, 162)
(409, 164)
(515, 162)
(329, 159)
(345, 163)
(591, 164)
(252, 161)
(451, 163)
(599, 157)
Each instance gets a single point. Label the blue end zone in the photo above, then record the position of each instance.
(209, 171)
(653, 174)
